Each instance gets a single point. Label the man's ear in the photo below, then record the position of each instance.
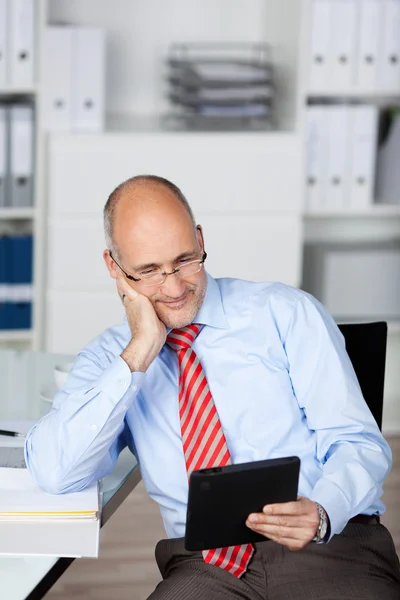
(110, 264)
(200, 236)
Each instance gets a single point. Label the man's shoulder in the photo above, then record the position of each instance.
(265, 293)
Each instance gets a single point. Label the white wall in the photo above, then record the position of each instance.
(238, 187)
(140, 32)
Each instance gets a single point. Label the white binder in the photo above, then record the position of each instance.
(316, 158)
(3, 154)
(337, 156)
(369, 19)
(388, 172)
(363, 146)
(57, 78)
(320, 32)
(88, 71)
(389, 60)
(21, 147)
(342, 48)
(3, 42)
(21, 41)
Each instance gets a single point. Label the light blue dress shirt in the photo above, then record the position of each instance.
(282, 384)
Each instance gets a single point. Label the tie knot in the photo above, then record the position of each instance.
(179, 339)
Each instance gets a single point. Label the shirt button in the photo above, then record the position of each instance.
(224, 431)
(123, 383)
(94, 427)
(134, 388)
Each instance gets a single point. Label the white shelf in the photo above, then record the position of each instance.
(356, 94)
(375, 211)
(9, 214)
(18, 91)
(16, 335)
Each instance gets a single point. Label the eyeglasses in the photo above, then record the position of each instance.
(157, 277)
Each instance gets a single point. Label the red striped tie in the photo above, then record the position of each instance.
(204, 442)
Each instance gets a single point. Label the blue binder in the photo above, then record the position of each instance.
(4, 257)
(21, 275)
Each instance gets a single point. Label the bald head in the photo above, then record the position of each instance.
(136, 197)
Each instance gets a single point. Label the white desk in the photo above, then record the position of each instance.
(23, 376)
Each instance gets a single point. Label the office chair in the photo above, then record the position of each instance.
(366, 347)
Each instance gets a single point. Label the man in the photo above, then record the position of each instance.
(206, 371)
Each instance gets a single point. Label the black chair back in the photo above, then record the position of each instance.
(366, 347)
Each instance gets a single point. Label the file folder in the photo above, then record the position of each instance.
(3, 154)
(88, 85)
(320, 34)
(3, 42)
(389, 64)
(3, 282)
(388, 172)
(316, 157)
(363, 146)
(342, 50)
(57, 78)
(20, 289)
(337, 157)
(21, 42)
(21, 153)
(369, 19)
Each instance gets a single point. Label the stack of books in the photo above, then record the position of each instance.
(220, 86)
(33, 522)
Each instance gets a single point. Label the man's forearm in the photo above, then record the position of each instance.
(77, 441)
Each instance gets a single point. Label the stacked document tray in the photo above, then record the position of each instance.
(220, 86)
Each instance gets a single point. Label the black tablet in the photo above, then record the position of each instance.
(221, 499)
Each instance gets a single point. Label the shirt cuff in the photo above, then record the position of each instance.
(335, 503)
(118, 379)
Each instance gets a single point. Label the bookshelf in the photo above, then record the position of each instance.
(134, 141)
(17, 214)
(20, 335)
(29, 220)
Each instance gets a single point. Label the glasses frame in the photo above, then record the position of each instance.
(165, 274)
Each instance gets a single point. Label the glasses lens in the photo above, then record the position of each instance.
(190, 269)
(154, 279)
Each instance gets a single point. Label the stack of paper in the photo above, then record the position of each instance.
(35, 522)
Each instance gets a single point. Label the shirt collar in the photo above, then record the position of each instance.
(212, 311)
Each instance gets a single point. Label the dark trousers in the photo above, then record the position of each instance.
(360, 563)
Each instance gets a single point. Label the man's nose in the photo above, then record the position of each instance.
(173, 286)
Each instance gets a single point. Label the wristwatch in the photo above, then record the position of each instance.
(323, 526)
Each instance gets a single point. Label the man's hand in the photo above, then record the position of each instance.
(292, 524)
(148, 332)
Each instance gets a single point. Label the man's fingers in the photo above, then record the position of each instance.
(287, 521)
(285, 508)
(278, 531)
(280, 520)
(124, 289)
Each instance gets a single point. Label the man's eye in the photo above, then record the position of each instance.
(149, 272)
